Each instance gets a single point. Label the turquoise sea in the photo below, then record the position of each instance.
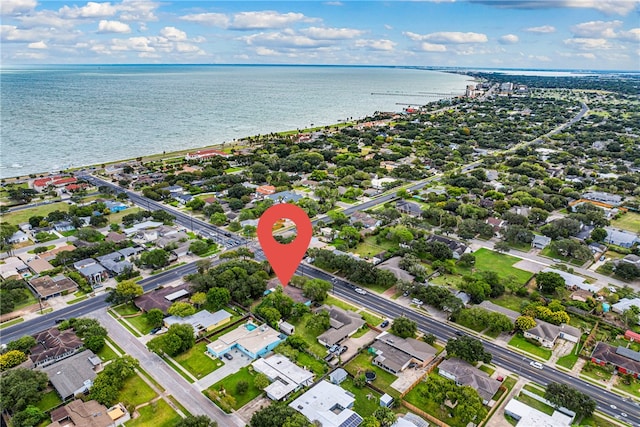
(55, 117)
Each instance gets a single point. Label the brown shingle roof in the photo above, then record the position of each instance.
(156, 299)
(53, 345)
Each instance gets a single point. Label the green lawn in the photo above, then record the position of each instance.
(369, 247)
(140, 323)
(310, 336)
(596, 372)
(568, 361)
(29, 301)
(540, 406)
(488, 369)
(628, 221)
(21, 216)
(316, 366)
(597, 421)
(48, 401)
(633, 388)
(512, 302)
(135, 391)
(197, 362)
(518, 341)
(229, 385)
(362, 363)
(156, 414)
(106, 353)
(548, 252)
(116, 218)
(126, 309)
(73, 301)
(367, 400)
(416, 398)
(488, 260)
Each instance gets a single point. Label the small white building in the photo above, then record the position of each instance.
(285, 376)
(328, 404)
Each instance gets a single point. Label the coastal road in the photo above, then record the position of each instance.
(503, 357)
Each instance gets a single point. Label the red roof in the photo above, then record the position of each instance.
(42, 182)
(630, 335)
(266, 189)
(63, 181)
(74, 187)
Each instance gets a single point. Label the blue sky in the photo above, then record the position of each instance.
(553, 34)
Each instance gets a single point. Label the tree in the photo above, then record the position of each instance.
(502, 246)
(242, 386)
(562, 395)
(196, 421)
(155, 258)
(524, 323)
(316, 289)
(404, 327)
(270, 314)
(467, 260)
(126, 291)
(278, 415)
(198, 299)
(429, 339)
(630, 316)
(198, 247)
(90, 331)
(24, 344)
(319, 322)
(155, 317)
(30, 416)
(548, 282)
(499, 322)
(178, 339)
(385, 415)
(21, 387)
(627, 271)
(599, 234)
(261, 381)
(370, 421)
(218, 298)
(469, 349)
(181, 309)
(11, 358)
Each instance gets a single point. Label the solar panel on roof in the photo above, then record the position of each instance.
(354, 420)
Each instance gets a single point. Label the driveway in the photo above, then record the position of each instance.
(355, 344)
(407, 377)
(239, 360)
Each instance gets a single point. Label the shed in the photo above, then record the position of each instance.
(386, 400)
(338, 376)
(287, 328)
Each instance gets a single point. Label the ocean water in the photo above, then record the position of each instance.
(55, 117)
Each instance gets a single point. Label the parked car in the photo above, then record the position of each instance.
(334, 348)
(228, 356)
(155, 330)
(416, 301)
(537, 365)
(384, 324)
(343, 349)
(60, 320)
(360, 291)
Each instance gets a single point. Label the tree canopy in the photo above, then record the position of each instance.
(469, 349)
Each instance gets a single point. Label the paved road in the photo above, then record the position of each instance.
(187, 394)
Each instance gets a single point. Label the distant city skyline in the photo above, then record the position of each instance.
(544, 34)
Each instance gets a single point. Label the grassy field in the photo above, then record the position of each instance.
(369, 247)
(597, 421)
(116, 218)
(368, 317)
(633, 388)
(488, 260)
(229, 385)
(136, 391)
(596, 372)
(126, 309)
(156, 414)
(140, 323)
(512, 302)
(29, 301)
(106, 353)
(49, 400)
(21, 216)
(362, 363)
(316, 366)
(518, 341)
(567, 361)
(415, 397)
(367, 400)
(197, 362)
(310, 336)
(548, 252)
(629, 221)
(540, 406)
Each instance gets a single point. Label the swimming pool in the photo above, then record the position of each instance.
(250, 326)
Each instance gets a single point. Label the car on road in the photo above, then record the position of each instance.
(459, 333)
(58, 321)
(537, 365)
(227, 356)
(384, 324)
(613, 406)
(360, 291)
(623, 414)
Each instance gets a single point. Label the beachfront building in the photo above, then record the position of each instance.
(250, 339)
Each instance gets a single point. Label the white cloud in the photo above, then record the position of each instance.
(30, 55)
(137, 44)
(187, 48)
(90, 10)
(544, 29)
(137, 10)
(388, 27)
(596, 29)
(588, 43)
(587, 55)
(38, 45)
(212, 19)
(12, 7)
(263, 51)
(446, 37)
(508, 39)
(44, 18)
(105, 26)
(609, 7)
(540, 58)
(431, 47)
(173, 34)
(334, 3)
(382, 44)
(283, 39)
(11, 33)
(266, 19)
(633, 35)
(322, 33)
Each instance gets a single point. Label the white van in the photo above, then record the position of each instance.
(537, 365)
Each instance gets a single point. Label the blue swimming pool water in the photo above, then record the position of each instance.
(250, 326)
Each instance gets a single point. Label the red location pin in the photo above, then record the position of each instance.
(284, 259)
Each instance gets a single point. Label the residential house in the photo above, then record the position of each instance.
(85, 414)
(625, 304)
(114, 237)
(527, 416)
(624, 360)
(130, 251)
(631, 336)
(408, 208)
(206, 154)
(162, 298)
(462, 373)
(631, 259)
(329, 405)
(113, 256)
(117, 267)
(145, 225)
(92, 271)
(265, 190)
(622, 238)
(171, 238)
(63, 226)
(497, 224)
(202, 321)
(115, 206)
(511, 314)
(252, 340)
(286, 377)
(547, 334)
(46, 287)
(393, 265)
(395, 354)
(284, 197)
(572, 281)
(540, 242)
(367, 220)
(53, 345)
(39, 265)
(13, 266)
(183, 199)
(74, 375)
(381, 183)
(600, 196)
(18, 237)
(337, 376)
(458, 248)
(410, 420)
(343, 323)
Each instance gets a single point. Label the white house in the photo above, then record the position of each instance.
(285, 376)
(328, 404)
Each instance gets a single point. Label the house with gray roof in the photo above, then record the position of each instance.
(286, 377)
(488, 305)
(540, 242)
(329, 405)
(572, 281)
(337, 376)
(602, 197)
(547, 334)
(73, 375)
(623, 238)
(284, 197)
(202, 321)
(395, 354)
(343, 323)
(408, 208)
(462, 373)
